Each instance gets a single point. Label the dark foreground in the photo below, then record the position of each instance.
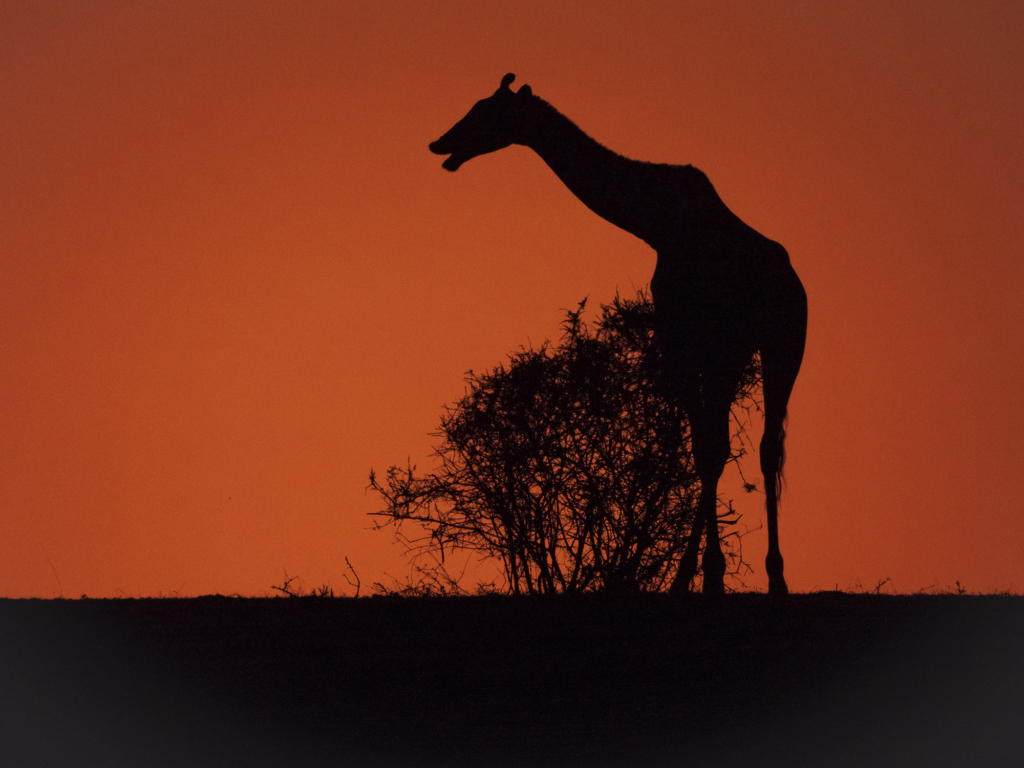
(826, 679)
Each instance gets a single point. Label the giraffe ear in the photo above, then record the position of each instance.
(526, 91)
(506, 81)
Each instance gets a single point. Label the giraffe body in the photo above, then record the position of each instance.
(722, 293)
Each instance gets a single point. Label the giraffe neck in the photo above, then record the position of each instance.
(612, 186)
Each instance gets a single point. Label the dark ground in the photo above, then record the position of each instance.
(819, 680)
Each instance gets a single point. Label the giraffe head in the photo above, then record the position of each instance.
(492, 124)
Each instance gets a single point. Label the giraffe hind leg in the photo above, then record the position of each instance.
(772, 458)
(780, 370)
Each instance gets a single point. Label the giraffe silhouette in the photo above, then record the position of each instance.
(722, 293)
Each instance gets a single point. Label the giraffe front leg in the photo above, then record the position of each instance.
(713, 456)
(688, 564)
(713, 562)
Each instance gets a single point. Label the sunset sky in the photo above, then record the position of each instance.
(233, 278)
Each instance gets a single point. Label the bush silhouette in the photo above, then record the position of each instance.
(567, 465)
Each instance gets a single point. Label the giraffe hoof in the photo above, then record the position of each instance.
(714, 587)
(684, 577)
(680, 586)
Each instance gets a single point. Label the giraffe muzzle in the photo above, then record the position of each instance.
(454, 160)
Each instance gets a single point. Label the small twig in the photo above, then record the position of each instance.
(61, 587)
(358, 583)
(286, 587)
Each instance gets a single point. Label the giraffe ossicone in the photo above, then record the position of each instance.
(722, 293)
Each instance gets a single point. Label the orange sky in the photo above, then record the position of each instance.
(233, 279)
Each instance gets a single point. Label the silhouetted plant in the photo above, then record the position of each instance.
(287, 589)
(431, 580)
(567, 465)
